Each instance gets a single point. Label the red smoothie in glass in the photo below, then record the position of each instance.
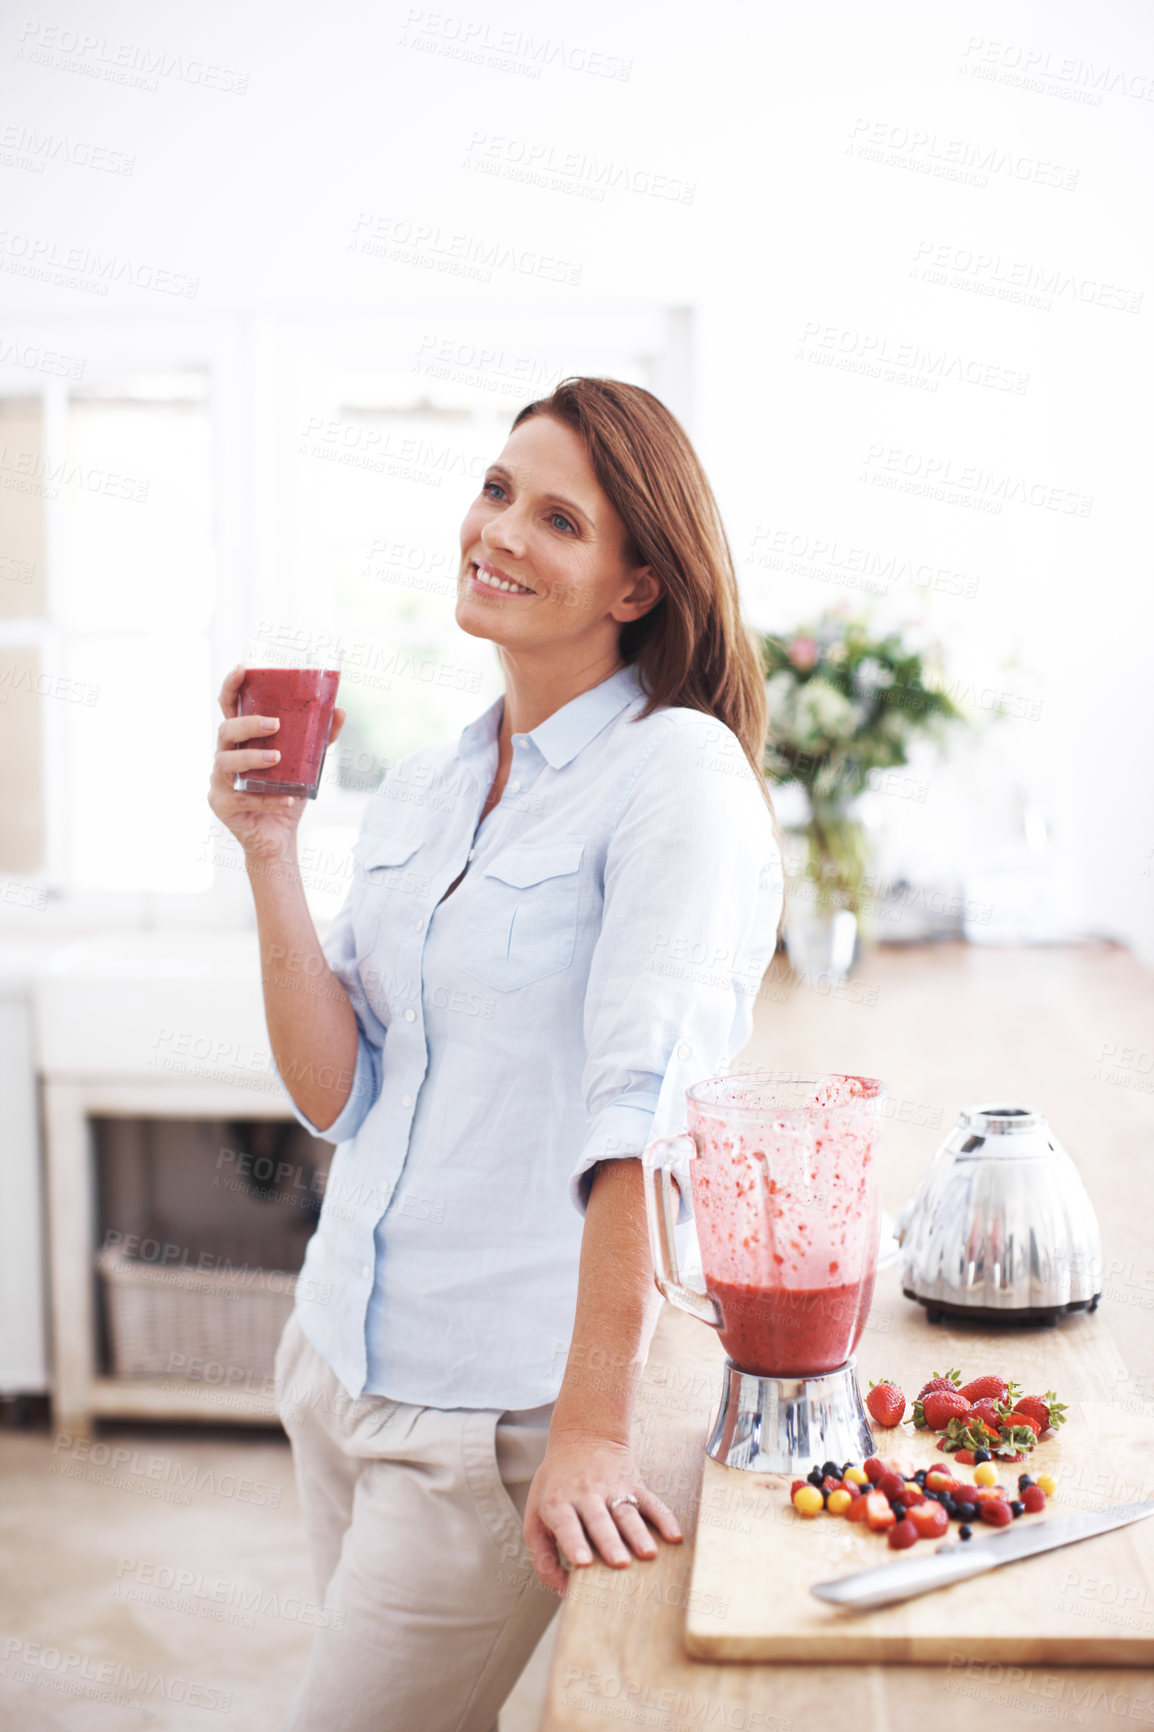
(303, 698)
(790, 1332)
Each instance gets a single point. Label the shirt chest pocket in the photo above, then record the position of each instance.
(391, 886)
(522, 915)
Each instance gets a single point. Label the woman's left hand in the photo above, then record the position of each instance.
(568, 1514)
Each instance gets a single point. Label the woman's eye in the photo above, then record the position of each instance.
(496, 485)
(556, 518)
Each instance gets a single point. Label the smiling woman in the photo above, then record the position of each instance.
(495, 1026)
(562, 561)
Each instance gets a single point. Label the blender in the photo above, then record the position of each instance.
(781, 1172)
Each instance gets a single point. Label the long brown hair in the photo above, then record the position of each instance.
(692, 648)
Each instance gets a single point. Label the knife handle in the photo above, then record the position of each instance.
(888, 1583)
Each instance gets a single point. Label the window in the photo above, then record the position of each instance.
(188, 484)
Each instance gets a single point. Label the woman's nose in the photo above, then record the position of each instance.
(505, 534)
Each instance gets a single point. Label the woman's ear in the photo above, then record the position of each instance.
(640, 598)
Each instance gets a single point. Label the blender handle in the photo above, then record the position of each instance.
(662, 1217)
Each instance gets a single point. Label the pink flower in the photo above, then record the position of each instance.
(803, 653)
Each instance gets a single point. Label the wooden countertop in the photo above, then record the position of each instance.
(1067, 1029)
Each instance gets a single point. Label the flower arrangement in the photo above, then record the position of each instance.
(844, 702)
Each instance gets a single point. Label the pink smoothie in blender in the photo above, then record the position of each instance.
(781, 1170)
(787, 1220)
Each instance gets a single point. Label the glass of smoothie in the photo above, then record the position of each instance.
(782, 1174)
(294, 677)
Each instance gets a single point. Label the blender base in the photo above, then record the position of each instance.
(789, 1424)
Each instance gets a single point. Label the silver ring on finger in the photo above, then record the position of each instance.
(625, 1497)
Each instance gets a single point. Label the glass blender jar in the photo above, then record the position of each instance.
(782, 1176)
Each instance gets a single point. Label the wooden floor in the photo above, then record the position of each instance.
(1069, 1030)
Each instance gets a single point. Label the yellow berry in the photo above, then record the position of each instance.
(914, 1492)
(985, 1473)
(857, 1475)
(838, 1502)
(1048, 1483)
(807, 1500)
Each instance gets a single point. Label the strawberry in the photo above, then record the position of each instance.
(1017, 1417)
(977, 1387)
(1046, 1409)
(938, 1408)
(858, 1509)
(886, 1403)
(949, 1380)
(902, 1535)
(873, 1469)
(892, 1487)
(1034, 1499)
(1014, 1441)
(878, 1514)
(997, 1512)
(1007, 1441)
(966, 1457)
(930, 1519)
(986, 1408)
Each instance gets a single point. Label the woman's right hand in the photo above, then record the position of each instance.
(264, 824)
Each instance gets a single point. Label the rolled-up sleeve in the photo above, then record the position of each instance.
(693, 894)
(339, 947)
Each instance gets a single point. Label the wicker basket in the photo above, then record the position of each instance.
(199, 1324)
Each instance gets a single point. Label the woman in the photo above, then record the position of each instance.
(556, 925)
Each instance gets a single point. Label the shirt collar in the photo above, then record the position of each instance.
(569, 730)
(561, 736)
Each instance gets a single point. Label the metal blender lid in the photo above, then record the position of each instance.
(1000, 1120)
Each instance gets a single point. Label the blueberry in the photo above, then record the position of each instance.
(814, 1476)
(965, 1533)
(899, 1510)
(949, 1505)
(920, 1476)
(1023, 1481)
(967, 1511)
(981, 1455)
(1017, 1508)
(831, 1470)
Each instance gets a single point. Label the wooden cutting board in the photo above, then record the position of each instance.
(1088, 1604)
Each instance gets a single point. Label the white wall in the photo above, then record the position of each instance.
(363, 119)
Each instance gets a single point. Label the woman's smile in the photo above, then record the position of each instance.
(488, 578)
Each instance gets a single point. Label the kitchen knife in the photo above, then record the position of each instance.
(958, 1560)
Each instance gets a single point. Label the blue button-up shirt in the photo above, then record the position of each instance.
(601, 954)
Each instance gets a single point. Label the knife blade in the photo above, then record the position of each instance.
(958, 1560)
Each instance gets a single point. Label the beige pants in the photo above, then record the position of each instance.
(414, 1517)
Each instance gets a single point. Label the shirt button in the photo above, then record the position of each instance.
(410, 1016)
(514, 787)
(520, 740)
(418, 922)
(406, 1100)
(470, 854)
(365, 1271)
